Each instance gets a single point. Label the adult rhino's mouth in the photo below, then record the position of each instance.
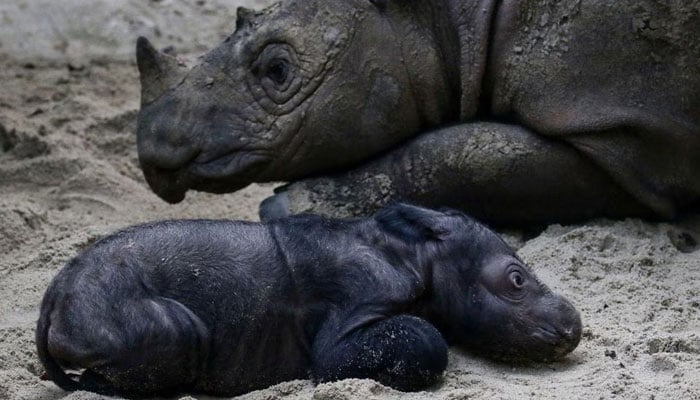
(228, 166)
(167, 184)
(228, 173)
(225, 174)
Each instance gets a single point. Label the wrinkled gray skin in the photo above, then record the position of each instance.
(517, 112)
(225, 307)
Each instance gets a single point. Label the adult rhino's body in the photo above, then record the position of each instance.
(516, 111)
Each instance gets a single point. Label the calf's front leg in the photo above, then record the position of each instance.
(403, 352)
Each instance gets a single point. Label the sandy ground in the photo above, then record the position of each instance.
(69, 174)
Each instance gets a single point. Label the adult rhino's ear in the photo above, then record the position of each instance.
(412, 223)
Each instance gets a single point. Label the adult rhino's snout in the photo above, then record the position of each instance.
(168, 144)
(165, 141)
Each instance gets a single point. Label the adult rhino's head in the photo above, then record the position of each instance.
(301, 88)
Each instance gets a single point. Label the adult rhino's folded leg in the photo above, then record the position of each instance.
(502, 174)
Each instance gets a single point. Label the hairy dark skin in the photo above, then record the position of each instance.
(518, 112)
(226, 307)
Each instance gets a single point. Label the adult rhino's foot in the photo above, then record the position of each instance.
(298, 198)
(337, 197)
(275, 207)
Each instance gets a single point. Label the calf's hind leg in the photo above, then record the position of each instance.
(403, 352)
(141, 347)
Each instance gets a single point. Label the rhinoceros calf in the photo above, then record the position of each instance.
(515, 111)
(225, 307)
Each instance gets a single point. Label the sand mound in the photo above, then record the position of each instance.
(69, 174)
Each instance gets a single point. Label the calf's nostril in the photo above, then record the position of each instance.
(569, 334)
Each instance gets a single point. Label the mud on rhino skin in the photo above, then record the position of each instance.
(517, 112)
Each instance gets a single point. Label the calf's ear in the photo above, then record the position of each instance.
(412, 223)
(381, 4)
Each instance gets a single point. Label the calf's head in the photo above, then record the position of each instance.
(484, 298)
(301, 87)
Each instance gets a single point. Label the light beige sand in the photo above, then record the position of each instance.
(69, 174)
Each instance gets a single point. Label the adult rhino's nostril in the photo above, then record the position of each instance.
(165, 168)
(166, 138)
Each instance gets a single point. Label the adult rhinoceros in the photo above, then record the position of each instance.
(514, 111)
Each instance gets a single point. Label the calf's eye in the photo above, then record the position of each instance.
(517, 279)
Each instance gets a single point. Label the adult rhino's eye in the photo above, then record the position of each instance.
(276, 75)
(517, 279)
(278, 71)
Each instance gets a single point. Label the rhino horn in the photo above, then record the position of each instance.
(159, 72)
